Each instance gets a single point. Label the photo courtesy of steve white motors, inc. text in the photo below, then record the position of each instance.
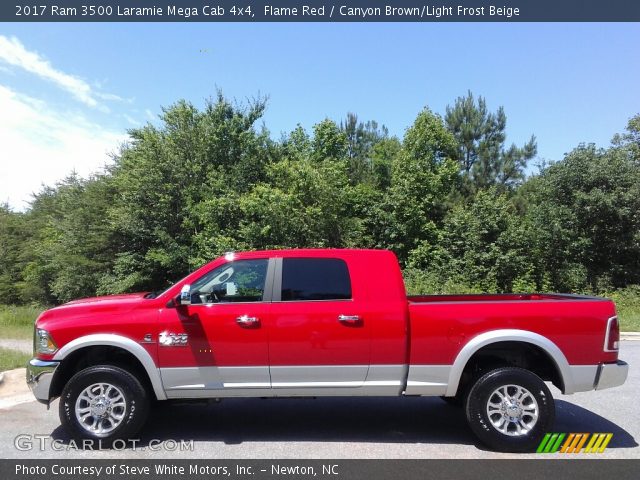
(191, 469)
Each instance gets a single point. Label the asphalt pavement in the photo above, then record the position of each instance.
(337, 428)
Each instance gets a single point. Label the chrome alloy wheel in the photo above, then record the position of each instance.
(512, 410)
(100, 408)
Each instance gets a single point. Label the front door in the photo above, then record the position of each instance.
(319, 338)
(217, 346)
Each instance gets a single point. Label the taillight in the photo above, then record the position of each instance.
(612, 337)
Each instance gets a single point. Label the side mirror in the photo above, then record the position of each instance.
(185, 295)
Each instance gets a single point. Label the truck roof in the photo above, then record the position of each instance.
(309, 252)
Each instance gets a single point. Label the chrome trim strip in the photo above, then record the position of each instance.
(608, 332)
(328, 380)
(214, 378)
(509, 335)
(125, 343)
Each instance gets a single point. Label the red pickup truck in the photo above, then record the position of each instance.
(322, 323)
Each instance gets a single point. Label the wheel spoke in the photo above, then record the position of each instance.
(116, 417)
(512, 410)
(100, 408)
(494, 410)
(503, 425)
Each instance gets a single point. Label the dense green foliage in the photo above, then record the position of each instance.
(450, 198)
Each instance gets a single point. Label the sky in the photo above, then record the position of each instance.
(70, 92)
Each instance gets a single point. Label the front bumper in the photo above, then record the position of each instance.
(39, 377)
(611, 375)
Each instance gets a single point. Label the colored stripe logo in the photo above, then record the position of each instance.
(574, 442)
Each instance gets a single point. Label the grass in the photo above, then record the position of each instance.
(628, 307)
(10, 359)
(17, 321)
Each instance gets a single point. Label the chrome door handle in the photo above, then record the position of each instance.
(247, 321)
(351, 319)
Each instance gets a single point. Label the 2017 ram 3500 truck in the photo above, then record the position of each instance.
(321, 323)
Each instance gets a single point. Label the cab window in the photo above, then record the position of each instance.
(239, 281)
(315, 279)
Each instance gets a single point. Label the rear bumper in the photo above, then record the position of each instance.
(611, 375)
(39, 377)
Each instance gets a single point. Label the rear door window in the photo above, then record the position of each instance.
(305, 279)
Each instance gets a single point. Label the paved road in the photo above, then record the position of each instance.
(25, 346)
(334, 428)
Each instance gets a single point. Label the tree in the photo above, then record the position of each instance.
(362, 138)
(329, 142)
(13, 235)
(422, 175)
(482, 245)
(630, 141)
(586, 210)
(481, 153)
(167, 177)
(71, 245)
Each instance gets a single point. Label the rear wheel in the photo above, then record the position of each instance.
(510, 409)
(103, 403)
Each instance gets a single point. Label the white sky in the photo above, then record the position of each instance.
(42, 143)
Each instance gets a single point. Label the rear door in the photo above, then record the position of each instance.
(319, 336)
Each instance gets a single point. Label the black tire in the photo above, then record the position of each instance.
(129, 403)
(509, 438)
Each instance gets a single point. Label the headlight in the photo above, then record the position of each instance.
(44, 342)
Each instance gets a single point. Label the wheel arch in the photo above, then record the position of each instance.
(84, 345)
(495, 337)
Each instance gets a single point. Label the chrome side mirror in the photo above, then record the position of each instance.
(185, 295)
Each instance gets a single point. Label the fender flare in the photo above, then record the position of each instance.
(119, 341)
(509, 335)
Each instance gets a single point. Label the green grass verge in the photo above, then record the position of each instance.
(628, 307)
(17, 321)
(10, 359)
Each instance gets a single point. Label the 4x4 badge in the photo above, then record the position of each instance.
(167, 339)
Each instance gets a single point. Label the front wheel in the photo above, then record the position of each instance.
(103, 404)
(510, 409)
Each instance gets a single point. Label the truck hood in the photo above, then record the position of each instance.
(108, 299)
(89, 310)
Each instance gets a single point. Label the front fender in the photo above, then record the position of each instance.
(119, 341)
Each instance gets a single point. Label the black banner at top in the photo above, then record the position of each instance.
(320, 11)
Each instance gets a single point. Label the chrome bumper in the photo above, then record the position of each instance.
(39, 376)
(611, 374)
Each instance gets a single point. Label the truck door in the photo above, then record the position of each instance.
(217, 346)
(319, 336)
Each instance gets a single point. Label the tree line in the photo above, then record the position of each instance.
(451, 198)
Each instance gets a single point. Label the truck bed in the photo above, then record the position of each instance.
(441, 325)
